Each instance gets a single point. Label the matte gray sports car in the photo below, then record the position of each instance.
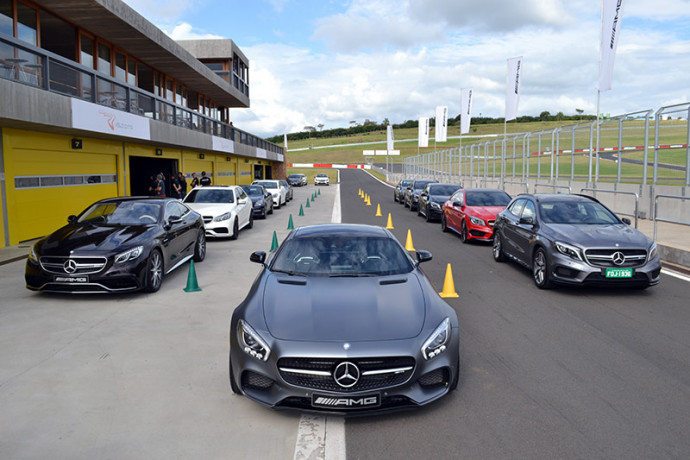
(342, 320)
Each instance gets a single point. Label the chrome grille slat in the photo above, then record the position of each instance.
(84, 265)
(604, 257)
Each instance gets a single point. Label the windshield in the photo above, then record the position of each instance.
(253, 190)
(492, 198)
(446, 190)
(419, 185)
(405, 183)
(268, 184)
(201, 195)
(587, 213)
(339, 256)
(122, 213)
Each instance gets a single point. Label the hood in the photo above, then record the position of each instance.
(91, 238)
(211, 209)
(599, 236)
(343, 309)
(484, 212)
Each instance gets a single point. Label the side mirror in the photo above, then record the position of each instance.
(174, 220)
(626, 221)
(258, 257)
(72, 219)
(242, 201)
(457, 204)
(423, 256)
(527, 220)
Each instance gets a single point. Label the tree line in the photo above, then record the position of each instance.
(368, 126)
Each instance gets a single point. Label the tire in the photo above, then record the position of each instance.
(277, 207)
(251, 220)
(395, 197)
(444, 224)
(154, 272)
(428, 214)
(540, 269)
(200, 246)
(269, 212)
(463, 232)
(497, 249)
(405, 203)
(233, 385)
(419, 210)
(235, 229)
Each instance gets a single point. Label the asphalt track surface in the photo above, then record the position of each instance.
(565, 373)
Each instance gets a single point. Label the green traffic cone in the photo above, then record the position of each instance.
(192, 285)
(308, 203)
(291, 226)
(301, 211)
(312, 198)
(319, 192)
(274, 244)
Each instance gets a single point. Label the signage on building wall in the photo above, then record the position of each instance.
(281, 157)
(261, 153)
(245, 173)
(224, 145)
(94, 117)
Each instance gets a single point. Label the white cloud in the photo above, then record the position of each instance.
(185, 31)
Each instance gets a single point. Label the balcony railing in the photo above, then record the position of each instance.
(37, 67)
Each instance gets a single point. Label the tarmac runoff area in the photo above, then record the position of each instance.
(146, 375)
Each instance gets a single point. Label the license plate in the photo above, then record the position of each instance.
(346, 402)
(78, 279)
(619, 273)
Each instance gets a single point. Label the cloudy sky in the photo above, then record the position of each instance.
(334, 61)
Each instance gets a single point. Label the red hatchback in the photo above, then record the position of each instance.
(472, 212)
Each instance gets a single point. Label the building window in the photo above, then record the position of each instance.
(24, 182)
(27, 24)
(57, 35)
(120, 67)
(6, 18)
(104, 62)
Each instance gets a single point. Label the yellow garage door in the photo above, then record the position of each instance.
(226, 171)
(193, 164)
(49, 180)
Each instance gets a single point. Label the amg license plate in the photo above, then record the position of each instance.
(346, 402)
(619, 273)
(77, 279)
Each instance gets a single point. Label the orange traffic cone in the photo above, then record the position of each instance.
(378, 211)
(389, 225)
(448, 285)
(408, 244)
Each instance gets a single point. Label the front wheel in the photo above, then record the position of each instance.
(154, 271)
(251, 220)
(463, 232)
(540, 270)
(200, 246)
(497, 249)
(235, 229)
(444, 225)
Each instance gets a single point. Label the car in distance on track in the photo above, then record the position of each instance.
(321, 179)
(262, 200)
(472, 212)
(296, 180)
(399, 190)
(341, 319)
(288, 190)
(278, 191)
(576, 240)
(432, 198)
(412, 192)
(226, 209)
(117, 245)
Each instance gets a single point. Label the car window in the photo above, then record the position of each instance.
(206, 195)
(529, 210)
(458, 197)
(122, 213)
(516, 207)
(576, 213)
(326, 256)
(487, 198)
(442, 189)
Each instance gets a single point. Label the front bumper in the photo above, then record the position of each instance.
(569, 271)
(479, 232)
(222, 229)
(270, 384)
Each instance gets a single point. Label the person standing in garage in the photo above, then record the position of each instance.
(176, 189)
(195, 181)
(183, 184)
(205, 181)
(160, 185)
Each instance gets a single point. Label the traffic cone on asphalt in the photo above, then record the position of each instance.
(301, 211)
(192, 284)
(291, 226)
(389, 225)
(360, 193)
(408, 244)
(368, 201)
(274, 244)
(319, 192)
(308, 203)
(378, 211)
(312, 198)
(448, 285)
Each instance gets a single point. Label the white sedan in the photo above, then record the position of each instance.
(274, 188)
(321, 179)
(225, 209)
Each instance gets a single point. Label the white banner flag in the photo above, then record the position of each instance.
(389, 138)
(423, 132)
(513, 87)
(441, 123)
(466, 111)
(285, 141)
(611, 16)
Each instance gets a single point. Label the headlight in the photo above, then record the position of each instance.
(251, 343)
(129, 255)
(276, 195)
(568, 250)
(652, 251)
(223, 217)
(435, 205)
(32, 254)
(437, 341)
(477, 221)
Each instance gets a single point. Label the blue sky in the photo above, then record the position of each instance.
(330, 62)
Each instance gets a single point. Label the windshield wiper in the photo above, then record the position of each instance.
(351, 275)
(289, 272)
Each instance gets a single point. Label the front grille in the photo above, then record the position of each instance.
(81, 265)
(438, 377)
(605, 257)
(256, 381)
(375, 373)
(208, 219)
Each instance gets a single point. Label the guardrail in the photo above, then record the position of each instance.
(636, 195)
(515, 182)
(657, 219)
(554, 187)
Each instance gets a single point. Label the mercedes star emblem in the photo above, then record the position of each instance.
(346, 374)
(618, 258)
(70, 266)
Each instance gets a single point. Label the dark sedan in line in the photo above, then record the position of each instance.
(262, 200)
(341, 319)
(412, 192)
(399, 190)
(117, 245)
(432, 198)
(575, 240)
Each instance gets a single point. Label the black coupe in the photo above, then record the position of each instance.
(341, 319)
(117, 245)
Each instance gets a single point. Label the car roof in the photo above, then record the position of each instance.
(563, 197)
(485, 190)
(217, 187)
(150, 199)
(340, 230)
